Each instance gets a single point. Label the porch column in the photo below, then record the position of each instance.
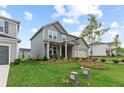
(65, 49)
(60, 50)
(48, 49)
(110, 52)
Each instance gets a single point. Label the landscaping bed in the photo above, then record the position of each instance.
(91, 64)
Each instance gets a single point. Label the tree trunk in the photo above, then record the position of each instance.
(91, 51)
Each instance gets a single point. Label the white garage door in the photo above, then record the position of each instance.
(4, 55)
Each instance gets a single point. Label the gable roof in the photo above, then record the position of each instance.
(99, 43)
(53, 23)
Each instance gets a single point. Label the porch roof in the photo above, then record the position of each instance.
(70, 42)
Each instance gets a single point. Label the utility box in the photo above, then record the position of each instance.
(74, 76)
(86, 72)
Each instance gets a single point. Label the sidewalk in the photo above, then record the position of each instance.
(4, 70)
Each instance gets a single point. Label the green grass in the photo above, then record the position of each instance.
(109, 58)
(33, 74)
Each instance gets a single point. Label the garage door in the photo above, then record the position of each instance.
(4, 55)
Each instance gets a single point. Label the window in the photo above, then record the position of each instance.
(6, 27)
(1, 25)
(52, 34)
(64, 37)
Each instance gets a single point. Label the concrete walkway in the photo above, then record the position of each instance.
(4, 70)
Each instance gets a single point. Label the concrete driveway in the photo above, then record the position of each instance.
(4, 70)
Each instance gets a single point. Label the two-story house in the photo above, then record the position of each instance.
(52, 40)
(9, 29)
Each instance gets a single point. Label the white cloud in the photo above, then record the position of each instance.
(60, 10)
(76, 11)
(112, 34)
(34, 30)
(114, 25)
(28, 15)
(75, 33)
(5, 14)
(20, 27)
(3, 6)
(70, 21)
(113, 30)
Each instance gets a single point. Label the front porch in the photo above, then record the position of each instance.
(58, 49)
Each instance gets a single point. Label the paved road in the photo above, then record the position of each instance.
(4, 70)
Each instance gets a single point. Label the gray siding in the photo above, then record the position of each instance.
(53, 28)
(37, 45)
(27, 54)
(12, 30)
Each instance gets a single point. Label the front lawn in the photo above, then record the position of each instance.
(34, 74)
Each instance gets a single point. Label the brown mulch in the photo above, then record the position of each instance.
(93, 64)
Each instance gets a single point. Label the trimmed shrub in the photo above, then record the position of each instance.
(115, 61)
(76, 58)
(17, 61)
(45, 58)
(103, 60)
(122, 60)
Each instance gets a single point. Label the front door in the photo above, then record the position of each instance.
(53, 51)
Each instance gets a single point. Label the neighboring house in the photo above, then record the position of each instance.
(102, 49)
(24, 53)
(9, 29)
(53, 40)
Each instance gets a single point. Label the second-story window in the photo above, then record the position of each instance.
(6, 27)
(54, 35)
(50, 34)
(1, 25)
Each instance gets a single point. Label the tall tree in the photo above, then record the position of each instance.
(93, 32)
(116, 43)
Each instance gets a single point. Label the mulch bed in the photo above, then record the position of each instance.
(58, 61)
(93, 64)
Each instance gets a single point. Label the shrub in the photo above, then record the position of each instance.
(45, 58)
(122, 60)
(103, 60)
(76, 58)
(36, 58)
(115, 61)
(17, 61)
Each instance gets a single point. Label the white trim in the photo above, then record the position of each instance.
(43, 33)
(9, 49)
(7, 39)
(17, 50)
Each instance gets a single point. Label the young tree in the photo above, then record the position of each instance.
(93, 32)
(116, 43)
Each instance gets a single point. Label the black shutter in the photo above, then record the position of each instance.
(6, 27)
